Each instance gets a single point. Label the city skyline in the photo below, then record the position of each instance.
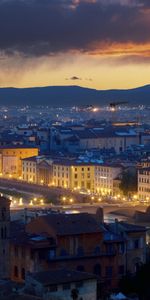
(97, 44)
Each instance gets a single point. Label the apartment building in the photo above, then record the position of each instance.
(29, 169)
(104, 178)
(73, 174)
(144, 183)
(79, 242)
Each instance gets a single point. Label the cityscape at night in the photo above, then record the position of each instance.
(74, 150)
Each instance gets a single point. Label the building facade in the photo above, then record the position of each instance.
(4, 238)
(104, 178)
(75, 175)
(11, 159)
(144, 183)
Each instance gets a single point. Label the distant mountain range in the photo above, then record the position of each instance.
(72, 95)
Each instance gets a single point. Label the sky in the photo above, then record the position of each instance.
(100, 44)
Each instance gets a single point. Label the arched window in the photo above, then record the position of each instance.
(97, 269)
(15, 271)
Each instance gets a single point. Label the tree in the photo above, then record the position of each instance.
(74, 294)
(129, 181)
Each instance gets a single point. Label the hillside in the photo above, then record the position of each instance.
(72, 95)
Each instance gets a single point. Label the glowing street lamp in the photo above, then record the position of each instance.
(20, 202)
(42, 202)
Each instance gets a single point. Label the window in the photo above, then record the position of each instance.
(136, 244)
(109, 271)
(3, 213)
(53, 288)
(63, 252)
(16, 251)
(97, 250)
(121, 269)
(80, 251)
(2, 233)
(5, 232)
(80, 268)
(23, 252)
(97, 269)
(15, 271)
(79, 284)
(121, 248)
(66, 286)
(23, 273)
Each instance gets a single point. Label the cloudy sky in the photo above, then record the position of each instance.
(96, 43)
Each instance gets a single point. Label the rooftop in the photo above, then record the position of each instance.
(61, 276)
(66, 224)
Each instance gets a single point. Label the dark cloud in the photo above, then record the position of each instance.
(46, 27)
(75, 78)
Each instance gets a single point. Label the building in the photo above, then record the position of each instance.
(4, 238)
(29, 169)
(62, 284)
(11, 159)
(100, 137)
(144, 184)
(135, 237)
(116, 187)
(45, 171)
(80, 242)
(73, 174)
(104, 178)
(37, 169)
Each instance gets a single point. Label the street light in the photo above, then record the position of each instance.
(42, 201)
(20, 202)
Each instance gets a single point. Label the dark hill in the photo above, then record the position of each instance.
(72, 95)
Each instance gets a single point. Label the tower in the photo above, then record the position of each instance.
(4, 237)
